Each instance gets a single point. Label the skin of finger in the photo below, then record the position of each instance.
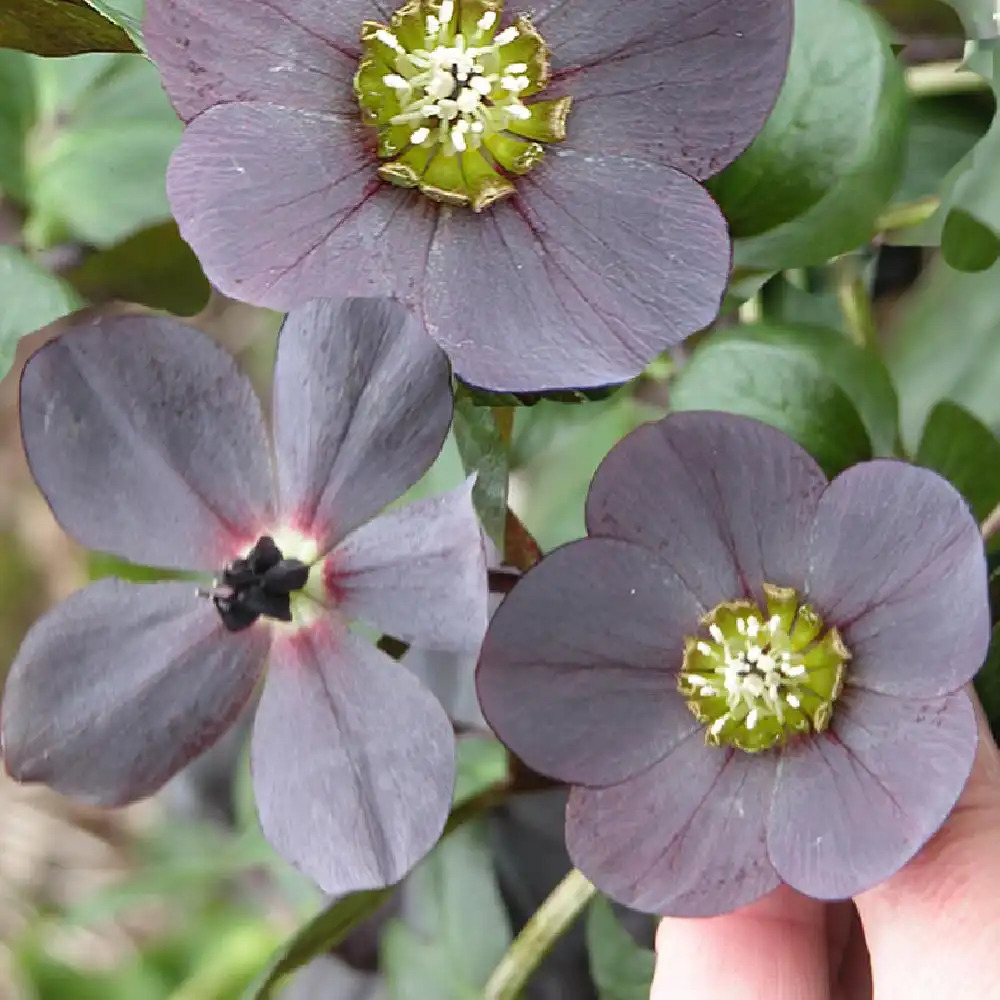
(773, 949)
(933, 929)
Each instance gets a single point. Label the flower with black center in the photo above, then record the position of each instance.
(748, 674)
(148, 442)
(524, 179)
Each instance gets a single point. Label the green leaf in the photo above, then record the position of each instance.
(60, 28)
(18, 110)
(831, 396)
(328, 928)
(987, 683)
(99, 158)
(30, 298)
(946, 345)
(621, 970)
(482, 762)
(979, 17)
(970, 240)
(484, 451)
(131, 23)
(435, 952)
(958, 446)
(154, 267)
(813, 183)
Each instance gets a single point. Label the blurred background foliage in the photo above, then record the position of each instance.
(863, 319)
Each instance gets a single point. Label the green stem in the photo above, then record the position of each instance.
(914, 213)
(991, 526)
(938, 78)
(855, 303)
(550, 921)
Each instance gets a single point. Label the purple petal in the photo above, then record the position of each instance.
(284, 206)
(897, 563)
(353, 761)
(362, 405)
(148, 442)
(681, 82)
(852, 806)
(120, 685)
(726, 501)
(598, 265)
(684, 838)
(576, 674)
(417, 572)
(300, 53)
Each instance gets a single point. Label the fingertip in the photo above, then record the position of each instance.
(774, 948)
(933, 929)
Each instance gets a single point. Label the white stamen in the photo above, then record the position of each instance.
(716, 633)
(753, 626)
(420, 135)
(506, 36)
(388, 38)
(447, 11)
(704, 648)
(517, 68)
(395, 81)
(432, 24)
(480, 85)
(751, 718)
(793, 700)
(487, 20)
(519, 111)
(716, 726)
(741, 626)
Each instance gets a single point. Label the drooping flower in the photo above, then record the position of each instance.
(525, 183)
(149, 443)
(748, 674)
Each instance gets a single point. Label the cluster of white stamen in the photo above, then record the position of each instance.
(756, 680)
(453, 91)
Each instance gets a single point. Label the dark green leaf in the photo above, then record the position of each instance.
(970, 240)
(456, 927)
(485, 452)
(621, 970)
(988, 684)
(979, 17)
(18, 109)
(130, 22)
(832, 397)
(958, 446)
(60, 28)
(30, 298)
(328, 928)
(821, 126)
(811, 187)
(946, 345)
(155, 267)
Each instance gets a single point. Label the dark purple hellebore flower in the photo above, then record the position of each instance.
(748, 674)
(148, 442)
(526, 181)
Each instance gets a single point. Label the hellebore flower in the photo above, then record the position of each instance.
(526, 184)
(148, 442)
(748, 674)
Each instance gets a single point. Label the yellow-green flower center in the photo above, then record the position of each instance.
(756, 679)
(447, 88)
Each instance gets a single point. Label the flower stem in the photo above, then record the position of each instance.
(855, 303)
(937, 78)
(991, 526)
(540, 933)
(906, 216)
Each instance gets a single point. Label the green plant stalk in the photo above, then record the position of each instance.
(991, 526)
(855, 303)
(938, 78)
(914, 213)
(549, 922)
